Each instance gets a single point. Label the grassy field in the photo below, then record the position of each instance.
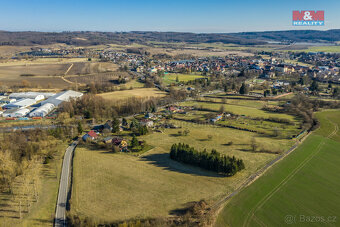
(303, 185)
(170, 78)
(297, 62)
(42, 211)
(112, 187)
(241, 108)
(139, 92)
(133, 84)
(46, 72)
(330, 49)
(40, 61)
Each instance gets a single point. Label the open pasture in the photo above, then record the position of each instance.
(110, 187)
(239, 109)
(170, 78)
(303, 185)
(138, 93)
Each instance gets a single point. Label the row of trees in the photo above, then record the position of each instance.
(213, 161)
(92, 106)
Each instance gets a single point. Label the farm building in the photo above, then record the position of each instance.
(42, 111)
(61, 97)
(91, 134)
(22, 103)
(146, 122)
(7, 100)
(31, 95)
(16, 113)
(217, 118)
(149, 115)
(106, 126)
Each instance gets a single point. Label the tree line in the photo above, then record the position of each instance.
(92, 106)
(212, 161)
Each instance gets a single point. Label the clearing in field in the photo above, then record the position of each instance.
(170, 78)
(302, 186)
(139, 93)
(112, 187)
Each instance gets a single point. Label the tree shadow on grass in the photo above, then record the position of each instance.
(259, 151)
(43, 221)
(182, 211)
(175, 135)
(163, 160)
(246, 150)
(203, 140)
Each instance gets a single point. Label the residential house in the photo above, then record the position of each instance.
(91, 134)
(146, 122)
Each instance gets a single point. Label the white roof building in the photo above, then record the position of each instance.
(20, 103)
(31, 95)
(7, 100)
(42, 111)
(17, 113)
(64, 96)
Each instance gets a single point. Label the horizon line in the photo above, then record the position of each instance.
(131, 31)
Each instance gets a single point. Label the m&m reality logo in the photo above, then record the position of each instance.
(308, 18)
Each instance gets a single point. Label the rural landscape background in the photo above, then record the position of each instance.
(132, 123)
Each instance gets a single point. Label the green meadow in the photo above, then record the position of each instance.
(301, 190)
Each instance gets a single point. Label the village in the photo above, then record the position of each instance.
(165, 113)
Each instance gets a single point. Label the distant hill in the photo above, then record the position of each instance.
(96, 38)
(293, 35)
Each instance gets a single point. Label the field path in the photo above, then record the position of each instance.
(336, 129)
(69, 68)
(283, 95)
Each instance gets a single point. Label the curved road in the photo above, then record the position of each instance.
(60, 213)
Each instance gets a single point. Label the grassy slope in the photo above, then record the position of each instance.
(240, 108)
(117, 186)
(154, 185)
(139, 92)
(304, 183)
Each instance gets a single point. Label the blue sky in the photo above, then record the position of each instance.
(167, 15)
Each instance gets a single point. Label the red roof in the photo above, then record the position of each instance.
(92, 133)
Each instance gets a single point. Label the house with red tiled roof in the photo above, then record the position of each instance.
(91, 134)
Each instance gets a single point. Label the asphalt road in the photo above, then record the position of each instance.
(60, 214)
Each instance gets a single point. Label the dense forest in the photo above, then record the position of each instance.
(84, 38)
(97, 38)
(212, 161)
